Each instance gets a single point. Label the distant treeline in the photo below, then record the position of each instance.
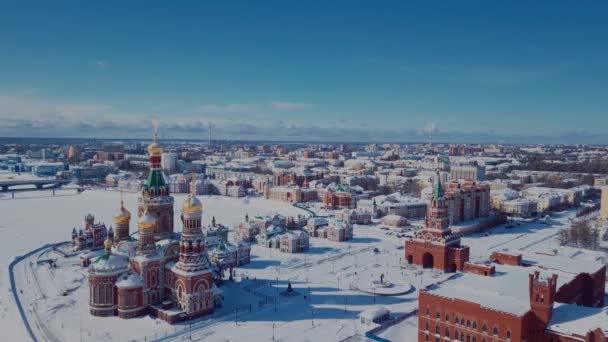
(536, 163)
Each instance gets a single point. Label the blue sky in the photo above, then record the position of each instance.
(305, 70)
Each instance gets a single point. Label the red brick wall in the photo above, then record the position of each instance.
(481, 269)
(471, 314)
(506, 258)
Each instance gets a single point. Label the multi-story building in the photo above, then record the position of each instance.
(473, 173)
(296, 177)
(294, 241)
(604, 205)
(338, 200)
(109, 156)
(169, 162)
(91, 237)
(355, 216)
(543, 301)
(331, 229)
(395, 204)
(48, 169)
(227, 256)
(291, 194)
(520, 207)
(498, 197)
(338, 231)
(467, 201)
(246, 231)
(96, 173)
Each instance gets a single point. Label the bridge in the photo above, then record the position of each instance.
(6, 185)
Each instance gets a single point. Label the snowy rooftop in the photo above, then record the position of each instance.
(129, 281)
(109, 263)
(561, 264)
(506, 291)
(574, 319)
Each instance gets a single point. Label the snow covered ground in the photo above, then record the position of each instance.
(530, 236)
(36, 218)
(322, 277)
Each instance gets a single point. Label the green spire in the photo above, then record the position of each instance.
(155, 180)
(438, 192)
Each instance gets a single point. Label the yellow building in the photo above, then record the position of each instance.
(604, 209)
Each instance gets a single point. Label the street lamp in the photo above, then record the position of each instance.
(236, 316)
(273, 331)
(312, 317)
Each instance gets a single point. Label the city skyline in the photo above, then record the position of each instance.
(492, 73)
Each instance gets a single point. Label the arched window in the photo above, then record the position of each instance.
(447, 317)
(495, 331)
(468, 323)
(484, 328)
(475, 325)
(438, 315)
(109, 294)
(428, 312)
(426, 326)
(474, 338)
(508, 334)
(447, 332)
(462, 321)
(437, 330)
(462, 336)
(102, 294)
(456, 319)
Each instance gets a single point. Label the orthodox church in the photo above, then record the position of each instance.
(162, 273)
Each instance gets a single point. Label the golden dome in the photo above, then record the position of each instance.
(154, 149)
(122, 216)
(192, 206)
(146, 222)
(107, 244)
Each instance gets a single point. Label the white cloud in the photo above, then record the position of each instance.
(253, 107)
(102, 63)
(28, 115)
(229, 108)
(288, 105)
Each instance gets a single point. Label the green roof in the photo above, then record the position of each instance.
(155, 179)
(102, 257)
(438, 192)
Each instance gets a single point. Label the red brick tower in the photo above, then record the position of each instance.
(193, 291)
(436, 246)
(542, 296)
(155, 194)
(147, 244)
